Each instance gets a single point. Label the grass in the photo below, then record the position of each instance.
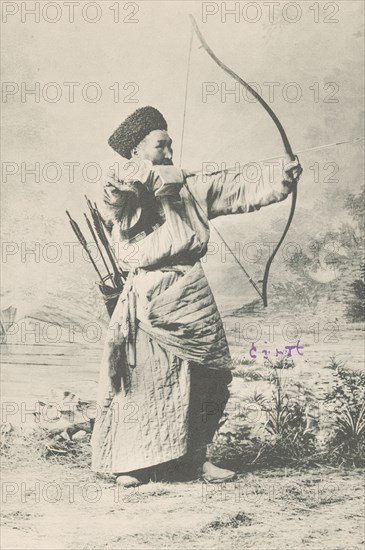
(175, 515)
(287, 438)
(290, 435)
(229, 521)
(18, 448)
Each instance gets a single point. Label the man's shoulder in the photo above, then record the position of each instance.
(119, 170)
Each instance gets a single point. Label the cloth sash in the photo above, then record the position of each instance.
(185, 320)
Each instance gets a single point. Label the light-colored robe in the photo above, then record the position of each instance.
(144, 408)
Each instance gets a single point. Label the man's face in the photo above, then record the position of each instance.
(155, 147)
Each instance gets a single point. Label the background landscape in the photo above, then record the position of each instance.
(316, 287)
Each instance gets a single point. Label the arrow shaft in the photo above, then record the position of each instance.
(83, 243)
(316, 148)
(99, 249)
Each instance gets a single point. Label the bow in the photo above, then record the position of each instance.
(287, 147)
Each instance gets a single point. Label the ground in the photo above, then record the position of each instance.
(60, 504)
(279, 509)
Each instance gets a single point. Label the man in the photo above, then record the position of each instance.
(165, 369)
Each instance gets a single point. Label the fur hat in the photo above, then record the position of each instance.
(135, 128)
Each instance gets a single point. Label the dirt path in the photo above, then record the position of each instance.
(59, 507)
(316, 509)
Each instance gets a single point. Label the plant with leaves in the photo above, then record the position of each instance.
(286, 431)
(356, 301)
(289, 422)
(347, 398)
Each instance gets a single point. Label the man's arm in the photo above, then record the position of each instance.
(172, 239)
(246, 191)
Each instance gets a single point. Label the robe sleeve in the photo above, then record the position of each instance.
(173, 241)
(119, 203)
(229, 192)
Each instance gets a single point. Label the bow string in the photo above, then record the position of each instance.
(287, 148)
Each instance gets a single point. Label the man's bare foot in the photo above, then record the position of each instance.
(213, 474)
(128, 481)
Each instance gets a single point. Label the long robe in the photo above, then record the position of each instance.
(165, 370)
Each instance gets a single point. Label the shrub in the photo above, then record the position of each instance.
(356, 301)
(292, 437)
(288, 433)
(347, 444)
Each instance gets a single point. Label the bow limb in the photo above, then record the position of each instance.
(287, 147)
(270, 260)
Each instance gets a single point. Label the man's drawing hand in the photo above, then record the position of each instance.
(293, 171)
